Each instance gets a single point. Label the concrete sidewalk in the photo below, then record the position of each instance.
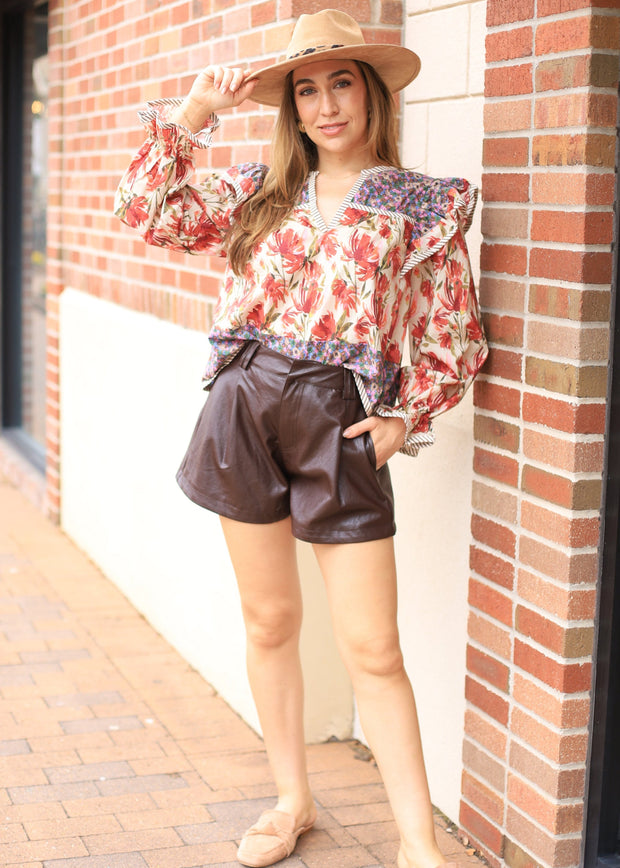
(116, 754)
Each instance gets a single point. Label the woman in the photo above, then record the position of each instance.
(335, 255)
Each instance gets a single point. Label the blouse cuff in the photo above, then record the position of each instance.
(414, 440)
(418, 439)
(155, 118)
(387, 412)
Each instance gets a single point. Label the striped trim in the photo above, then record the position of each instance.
(366, 403)
(388, 412)
(468, 209)
(413, 441)
(346, 202)
(470, 206)
(153, 112)
(460, 204)
(417, 442)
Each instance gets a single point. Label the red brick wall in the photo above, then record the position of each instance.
(550, 113)
(107, 57)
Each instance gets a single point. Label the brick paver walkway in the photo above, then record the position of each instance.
(116, 754)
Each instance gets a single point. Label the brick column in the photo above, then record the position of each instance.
(550, 114)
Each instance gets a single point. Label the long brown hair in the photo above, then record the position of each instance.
(294, 155)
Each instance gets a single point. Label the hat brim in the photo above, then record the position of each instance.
(396, 65)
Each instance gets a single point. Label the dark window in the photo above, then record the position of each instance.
(24, 201)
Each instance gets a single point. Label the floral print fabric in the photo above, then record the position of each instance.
(389, 270)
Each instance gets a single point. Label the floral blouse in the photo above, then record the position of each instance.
(390, 269)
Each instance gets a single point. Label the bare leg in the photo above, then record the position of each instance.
(264, 560)
(361, 586)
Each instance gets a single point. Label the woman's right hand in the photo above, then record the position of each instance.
(215, 88)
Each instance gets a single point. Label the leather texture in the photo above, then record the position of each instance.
(269, 443)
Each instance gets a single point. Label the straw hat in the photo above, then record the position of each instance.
(328, 35)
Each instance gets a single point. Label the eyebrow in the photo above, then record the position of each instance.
(330, 76)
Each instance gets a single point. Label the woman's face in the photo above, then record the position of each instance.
(332, 103)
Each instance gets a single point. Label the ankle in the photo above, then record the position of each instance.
(299, 805)
(416, 858)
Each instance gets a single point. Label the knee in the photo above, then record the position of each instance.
(379, 656)
(271, 627)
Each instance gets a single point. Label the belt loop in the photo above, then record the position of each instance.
(350, 388)
(247, 353)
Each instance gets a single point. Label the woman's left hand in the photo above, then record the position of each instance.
(387, 432)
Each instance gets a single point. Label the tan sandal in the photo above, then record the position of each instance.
(270, 839)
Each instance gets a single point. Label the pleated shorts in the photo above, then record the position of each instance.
(269, 443)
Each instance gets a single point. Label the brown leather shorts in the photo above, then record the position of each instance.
(268, 444)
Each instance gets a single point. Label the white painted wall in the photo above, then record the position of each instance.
(130, 395)
(442, 136)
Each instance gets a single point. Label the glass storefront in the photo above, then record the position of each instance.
(33, 288)
(25, 85)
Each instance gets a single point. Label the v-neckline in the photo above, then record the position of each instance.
(335, 219)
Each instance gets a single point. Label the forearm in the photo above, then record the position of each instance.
(191, 114)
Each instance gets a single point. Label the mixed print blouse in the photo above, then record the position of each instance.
(389, 271)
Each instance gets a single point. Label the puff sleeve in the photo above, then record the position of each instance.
(155, 195)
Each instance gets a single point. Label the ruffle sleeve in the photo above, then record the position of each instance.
(447, 346)
(155, 195)
(437, 209)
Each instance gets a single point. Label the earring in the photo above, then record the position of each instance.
(301, 127)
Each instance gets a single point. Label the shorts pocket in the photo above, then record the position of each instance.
(370, 448)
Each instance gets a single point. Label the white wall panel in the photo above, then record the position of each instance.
(130, 395)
